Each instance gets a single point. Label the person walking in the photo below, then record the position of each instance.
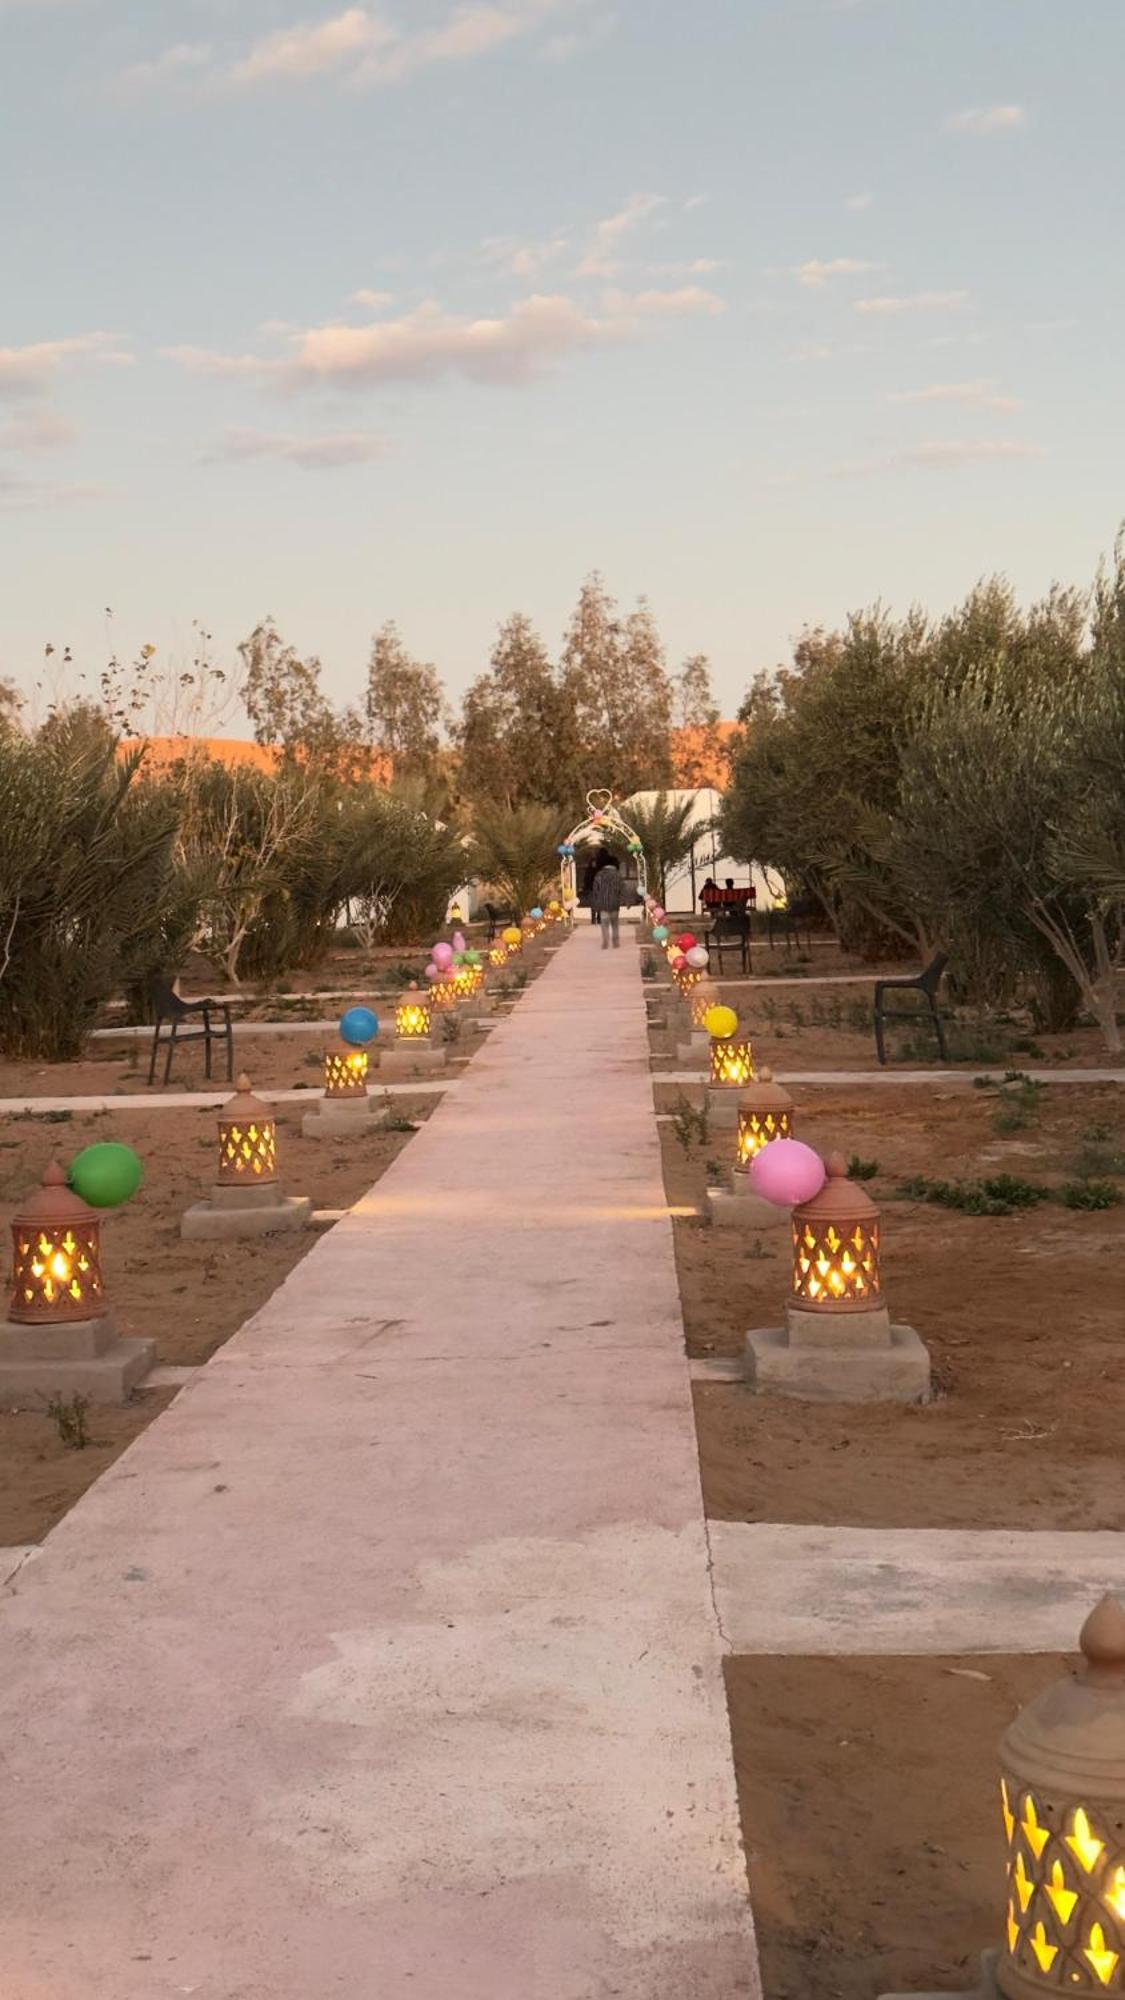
(605, 902)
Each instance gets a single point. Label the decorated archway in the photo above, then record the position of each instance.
(603, 822)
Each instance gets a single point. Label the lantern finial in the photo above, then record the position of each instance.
(1102, 1640)
(53, 1175)
(243, 1081)
(836, 1167)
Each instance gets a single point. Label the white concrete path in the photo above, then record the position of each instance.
(384, 1665)
(908, 1590)
(200, 1100)
(931, 1076)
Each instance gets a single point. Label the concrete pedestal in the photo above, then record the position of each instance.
(342, 1117)
(82, 1358)
(694, 1051)
(722, 1105)
(738, 1207)
(234, 1212)
(412, 1058)
(839, 1358)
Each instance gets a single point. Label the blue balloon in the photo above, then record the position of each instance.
(358, 1025)
(537, 912)
(562, 850)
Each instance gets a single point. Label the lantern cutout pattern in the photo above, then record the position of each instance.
(56, 1257)
(1062, 1795)
(442, 995)
(413, 1019)
(247, 1141)
(764, 1113)
(702, 999)
(732, 1061)
(345, 1072)
(836, 1247)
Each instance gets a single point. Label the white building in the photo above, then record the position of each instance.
(706, 860)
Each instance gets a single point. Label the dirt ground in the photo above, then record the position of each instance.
(1013, 1309)
(871, 1818)
(830, 1027)
(189, 1297)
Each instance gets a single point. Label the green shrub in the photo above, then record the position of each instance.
(1090, 1194)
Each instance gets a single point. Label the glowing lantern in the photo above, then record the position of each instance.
(1062, 1794)
(56, 1257)
(247, 1140)
(464, 982)
(345, 1072)
(412, 1016)
(442, 996)
(732, 1062)
(765, 1112)
(702, 999)
(497, 955)
(836, 1247)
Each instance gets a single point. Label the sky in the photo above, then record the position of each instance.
(423, 309)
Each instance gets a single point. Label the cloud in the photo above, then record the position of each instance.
(202, 361)
(20, 495)
(687, 300)
(363, 46)
(182, 59)
(523, 260)
(945, 455)
(600, 260)
(978, 395)
(429, 344)
(333, 448)
(28, 371)
(856, 203)
(37, 430)
(817, 273)
(983, 119)
(579, 41)
(912, 302)
(372, 301)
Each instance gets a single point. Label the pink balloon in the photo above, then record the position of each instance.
(442, 955)
(458, 941)
(787, 1172)
(657, 914)
(432, 972)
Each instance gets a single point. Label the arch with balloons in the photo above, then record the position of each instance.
(603, 821)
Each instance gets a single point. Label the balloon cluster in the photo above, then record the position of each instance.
(358, 1027)
(105, 1175)
(566, 850)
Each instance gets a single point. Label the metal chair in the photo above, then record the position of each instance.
(798, 911)
(496, 919)
(730, 931)
(167, 1006)
(926, 983)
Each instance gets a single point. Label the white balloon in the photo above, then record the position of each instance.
(697, 957)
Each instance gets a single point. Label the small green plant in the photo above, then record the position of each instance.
(313, 1058)
(716, 1173)
(1099, 1153)
(451, 1028)
(42, 1117)
(1018, 1103)
(1000, 1194)
(69, 1414)
(860, 1169)
(690, 1123)
(1090, 1194)
(1026, 1045)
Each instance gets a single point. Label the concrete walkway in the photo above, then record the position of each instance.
(384, 1665)
(965, 1077)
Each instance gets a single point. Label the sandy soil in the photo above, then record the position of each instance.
(189, 1297)
(1013, 1309)
(871, 1819)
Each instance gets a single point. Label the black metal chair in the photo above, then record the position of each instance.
(167, 1006)
(927, 984)
(730, 931)
(798, 911)
(496, 919)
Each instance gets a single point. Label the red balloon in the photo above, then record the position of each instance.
(687, 942)
(678, 962)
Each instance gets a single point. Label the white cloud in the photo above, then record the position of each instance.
(600, 260)
(523, 260)
(202, 361)
(579, 41)
(37, 430)
(983, 119)
(372, 301)
(312, 48)
(429, 343)
(688, 300)
(27, 371)
(856, 203)
(912, 302)
(966, 452)
(970, 395)
(333, 448)
(817, 273)
(182, 59)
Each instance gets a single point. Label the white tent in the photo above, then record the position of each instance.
(706, 858)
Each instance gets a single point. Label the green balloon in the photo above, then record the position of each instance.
(106, 1175)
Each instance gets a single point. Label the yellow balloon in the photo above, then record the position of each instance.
(722, 1022)
(512, 936)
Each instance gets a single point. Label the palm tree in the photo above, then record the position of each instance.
(516, 850)
(666, 834)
